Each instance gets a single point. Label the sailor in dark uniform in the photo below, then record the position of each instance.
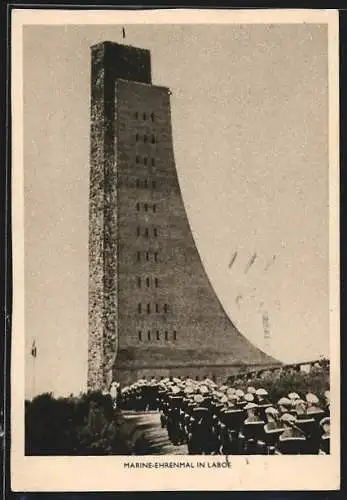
(173, 417)
(293, 397)
(313, 407)
(308, 425)
(292, 441)
(202, 429)
(327, 401)
(252, 415)
(218, 407)
(238, 398)
(114, 393)
(231, 420)
(272, 429)
(153, 388)
(195, 446)
(221, 426)
(161, 404)
(324, 448)
(251, 390)
(272, 417)
(262, 397)
(253, 429)
(189, 419)
(284, 405)
(300, 408)
(314, 413)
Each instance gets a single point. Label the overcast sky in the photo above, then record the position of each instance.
(249, 110)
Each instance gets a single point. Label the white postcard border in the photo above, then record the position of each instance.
(110, 473)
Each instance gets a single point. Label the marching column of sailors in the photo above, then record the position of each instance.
(223, 420)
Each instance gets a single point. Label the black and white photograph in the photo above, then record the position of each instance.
(175, 248)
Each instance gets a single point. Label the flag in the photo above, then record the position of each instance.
(233, 259)
(34, 350)
(271, 262)
(239, 299)
(251, 262)
(266, 325)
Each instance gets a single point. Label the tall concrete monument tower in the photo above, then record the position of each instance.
(152, 309)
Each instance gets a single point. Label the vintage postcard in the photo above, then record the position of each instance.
(176, 318)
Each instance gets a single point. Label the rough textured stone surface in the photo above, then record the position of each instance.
(152, 308)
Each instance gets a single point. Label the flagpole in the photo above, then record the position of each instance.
(267, 333)
(33, 354)
(34, 367)
(32, 376)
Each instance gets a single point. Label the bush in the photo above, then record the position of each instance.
(87, 425)
(302, 383)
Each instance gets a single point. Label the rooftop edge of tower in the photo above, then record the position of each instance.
(116, 44)
(144, 84)
(123, 61)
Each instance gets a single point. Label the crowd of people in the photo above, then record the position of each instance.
(211, 419)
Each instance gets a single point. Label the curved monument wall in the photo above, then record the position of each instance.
(153, 311)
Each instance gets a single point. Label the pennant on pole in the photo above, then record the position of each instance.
(238, 300)
(251, 262)
(34, 349)
(232, 260)
(271, 262)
